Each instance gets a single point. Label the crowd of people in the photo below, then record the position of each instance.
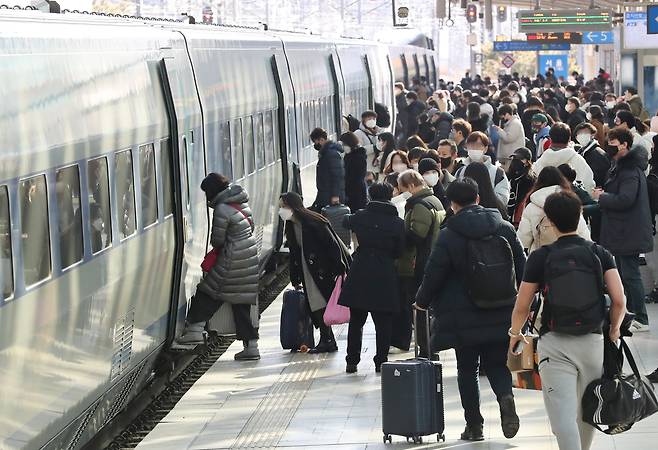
(461, 210)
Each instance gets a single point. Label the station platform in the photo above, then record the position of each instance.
(306, 401)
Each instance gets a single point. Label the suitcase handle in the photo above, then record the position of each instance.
(427, 330)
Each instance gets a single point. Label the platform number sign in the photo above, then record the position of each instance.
(400, 13)
(508, 61)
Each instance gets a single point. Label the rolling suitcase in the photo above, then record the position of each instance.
(335, 215)
(296, 328)
(412, 396)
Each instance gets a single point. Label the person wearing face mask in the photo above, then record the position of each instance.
(443, 126)
(477, 144)
(329, 173)
(461, 129)
(386, 146)
(424, 214)
(595, 117)
(588, 147)
(436, 179)
(367, 136)
(510, 136)
(626, 224)
(610, 110)
(635, 101)
(627, 121)
(534, 106)
(399, 199)
(426, 130)
(398, 163)
(447, 151)
(521, 181)
(317, 258)
(372, 286)
(234, 276)
(354, 160)
(414, 108)
(541, 134)
(574, 115)
(415, 155)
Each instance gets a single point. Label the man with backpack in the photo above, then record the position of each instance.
(470, 282)
(572, 274)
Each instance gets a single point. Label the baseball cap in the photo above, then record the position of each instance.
(539, 117)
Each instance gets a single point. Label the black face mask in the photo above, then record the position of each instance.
(370, 182)
(517, 168)
(611, 150)
(445, 162)
(317, 147)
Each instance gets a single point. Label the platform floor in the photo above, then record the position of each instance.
(307, 401)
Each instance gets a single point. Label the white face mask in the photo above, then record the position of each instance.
(475, 155)
(588, 116)
(610, 105)
(397, 92)
(415, 166)
(371, 123)
(431, 178)
(347, 149)
(409, 101)
(584, 138)
(379, 145)
(403, 197)
(516, 100)
(285, 214)
(399, 167)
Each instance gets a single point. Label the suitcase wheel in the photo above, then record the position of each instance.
(440, 437)
(388, 438)
(418, 439)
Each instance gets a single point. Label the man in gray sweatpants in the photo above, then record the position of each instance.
(569, 357)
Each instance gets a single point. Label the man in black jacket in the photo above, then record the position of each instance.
(626, 226)
(329, 173)
(589, 149)
(477, 335)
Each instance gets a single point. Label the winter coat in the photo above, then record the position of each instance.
(372, 284)
(325, 256)
(626, 227)
(600, 130)
(368, 140)
(542, 140)
(423, 216)
(597, 160)
(567, 155)
(519, 189)
(426, 132)
(575, 118)
(415, 109)
(458, 322)
(496, 173)
(526, 120)
(401, 116)
(480, 124)
(234, 277)
(637, 108)
(329, 175)
(355, 179)
(535, 229)
(511, 137)
(442, 127)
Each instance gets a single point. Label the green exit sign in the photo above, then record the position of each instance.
(564, 20)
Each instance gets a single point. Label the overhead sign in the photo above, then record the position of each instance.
(400, 13)
(563, 20)
(525, 46)
(508, 61)
(598, 37)
(559, 63)
(635, 32)
(572, 38)
(652, 19)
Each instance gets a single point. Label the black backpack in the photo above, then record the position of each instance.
(574, 297)
(490, 275)
(383, 115)
(352, 122)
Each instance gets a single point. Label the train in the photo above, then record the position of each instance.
(108, 125)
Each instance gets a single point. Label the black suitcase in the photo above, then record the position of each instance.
(412, 396)
(335, 215)
(296, 327)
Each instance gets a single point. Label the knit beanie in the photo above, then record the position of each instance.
(213, 184)
(427, 164)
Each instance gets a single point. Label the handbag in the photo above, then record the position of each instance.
(335, 314)
(525, 367)
(618, 400)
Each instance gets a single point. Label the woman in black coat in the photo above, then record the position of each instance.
(355, 172)
(372, 285)
(317, 258)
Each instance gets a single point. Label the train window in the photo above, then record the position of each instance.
(332, 114)
(236, 147)
(225, 149)
(325, 113)
(148, 186)
(307, 124)
(316, 111)
(99, 204)
(268, 133)
(125, 189)
(275, 151)
(67, 185)
(167, 177)
(259, 137)
(186, 172)
(35, 233)
(248, 145)
(6, 271)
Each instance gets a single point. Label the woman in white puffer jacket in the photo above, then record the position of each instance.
(535, 230)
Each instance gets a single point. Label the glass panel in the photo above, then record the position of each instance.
(225, 149)
(6, 271)
(186, 173)
(259, 136)
(248, 145)
(332, 114)
(67, 186)
(268, 135)
(307, 124)
(276, 145)
(35, 239)
(236, 147)
(99, 204)
(167, 177)
(148, 185)
(125, 188)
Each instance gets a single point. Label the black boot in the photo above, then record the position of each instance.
(327, 342)
(509, 420)
(473, 433)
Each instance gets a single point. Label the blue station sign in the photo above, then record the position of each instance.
(526, 46)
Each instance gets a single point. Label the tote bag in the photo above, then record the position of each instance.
(336, 314)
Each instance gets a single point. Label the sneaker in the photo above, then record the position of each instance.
(350, 368)
(324, 347)
(395, 350)
(637, 327)
(250, 352)
(509, 420)
(653, 376)
(473, 433)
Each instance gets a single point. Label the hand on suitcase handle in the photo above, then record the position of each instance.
(418, 307)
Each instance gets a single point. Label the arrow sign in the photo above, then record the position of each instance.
(652, 19)
(598, 37)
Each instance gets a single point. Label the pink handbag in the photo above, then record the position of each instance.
(336, 314)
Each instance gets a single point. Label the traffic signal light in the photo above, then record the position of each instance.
(502, 13)
(471, 13)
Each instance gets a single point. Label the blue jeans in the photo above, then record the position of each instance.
(629, 270)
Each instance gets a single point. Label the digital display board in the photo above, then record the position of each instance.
(571, 38)
(564, 20)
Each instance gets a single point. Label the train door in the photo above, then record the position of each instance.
(336, 80)
(371, 87)
(405, 70)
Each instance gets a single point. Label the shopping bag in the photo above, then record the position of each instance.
(209, 260)
(525, 367)
(526, 360)
(336, 314)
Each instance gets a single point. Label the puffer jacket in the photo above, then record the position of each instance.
(368, 140)
(535, 231)
(567, 155)
(498, 177)
(234, 277)
(511, 138)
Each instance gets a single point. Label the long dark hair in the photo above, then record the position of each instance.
(295, 202)
(480, 174)
(549, 176)
(389, 140)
